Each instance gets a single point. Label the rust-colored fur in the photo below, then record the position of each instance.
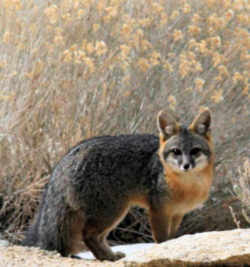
(187, 190)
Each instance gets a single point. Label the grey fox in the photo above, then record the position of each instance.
(93, 186)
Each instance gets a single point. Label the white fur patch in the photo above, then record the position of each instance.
(201, 128)
(169, 129)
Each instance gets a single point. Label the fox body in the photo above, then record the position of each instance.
(93, 186)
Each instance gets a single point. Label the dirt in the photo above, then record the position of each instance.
(14, 256)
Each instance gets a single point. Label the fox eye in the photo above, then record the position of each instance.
(176, 151)
(195, 151)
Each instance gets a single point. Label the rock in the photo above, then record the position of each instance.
(214, 249)
(127, 249)
(4, 243)
(224, 248)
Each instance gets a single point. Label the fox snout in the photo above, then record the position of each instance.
(181, 161)
(184, 161)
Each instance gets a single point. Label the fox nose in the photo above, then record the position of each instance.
(186, 166)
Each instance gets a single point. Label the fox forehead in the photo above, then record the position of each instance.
(186, 139)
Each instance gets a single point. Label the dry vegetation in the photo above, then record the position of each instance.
(74, 69)
(242, 190)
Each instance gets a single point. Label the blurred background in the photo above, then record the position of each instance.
(73, 69)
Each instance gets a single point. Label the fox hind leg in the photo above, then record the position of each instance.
(73, 241)
(96, 241)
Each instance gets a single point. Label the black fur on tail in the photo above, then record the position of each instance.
(49, 229)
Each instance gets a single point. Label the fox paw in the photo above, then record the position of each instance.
(114, 256)
(119, 255)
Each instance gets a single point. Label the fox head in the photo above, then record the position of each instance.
(185, 149)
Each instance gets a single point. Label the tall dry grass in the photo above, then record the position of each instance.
(70, 70)
(242, 190)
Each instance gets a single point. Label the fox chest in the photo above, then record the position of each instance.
(188, 193)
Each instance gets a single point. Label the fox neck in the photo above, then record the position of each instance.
(189, 185)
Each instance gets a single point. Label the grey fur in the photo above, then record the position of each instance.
(97, 181)
(96, 177)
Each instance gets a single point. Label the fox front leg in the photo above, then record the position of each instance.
(176, 221)
(164, 226)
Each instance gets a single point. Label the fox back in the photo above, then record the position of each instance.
(93, 186)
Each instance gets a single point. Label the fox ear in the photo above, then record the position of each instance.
(167, 124)
(201, 124)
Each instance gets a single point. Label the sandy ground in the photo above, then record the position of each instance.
(34, 257)
(18, 256)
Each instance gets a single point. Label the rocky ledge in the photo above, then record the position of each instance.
(225, 248)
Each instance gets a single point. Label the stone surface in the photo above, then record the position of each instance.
(225, 248)
(127, 249)
(4, 243)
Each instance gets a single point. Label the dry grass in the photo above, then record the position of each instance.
(242, 189)
(74, 69)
